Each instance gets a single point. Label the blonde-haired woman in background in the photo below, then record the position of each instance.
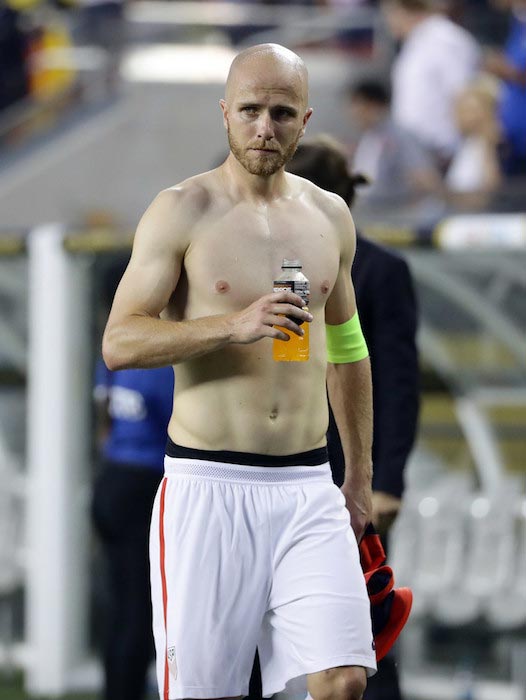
(474, 173)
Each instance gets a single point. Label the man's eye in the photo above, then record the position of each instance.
(283, 114)
(249, 110)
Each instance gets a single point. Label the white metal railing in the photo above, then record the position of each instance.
(57, 462)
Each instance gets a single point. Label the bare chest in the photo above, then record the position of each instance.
(235, 256)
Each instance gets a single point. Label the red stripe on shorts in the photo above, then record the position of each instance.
(163, 584)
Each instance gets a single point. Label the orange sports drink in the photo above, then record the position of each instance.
(296, 349)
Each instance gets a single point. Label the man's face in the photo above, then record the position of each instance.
(265, 116)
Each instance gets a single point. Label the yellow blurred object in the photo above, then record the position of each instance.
(23, 5)
(52, 68)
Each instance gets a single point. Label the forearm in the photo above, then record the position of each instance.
(350, 394)
(136, 339)
(145, 342)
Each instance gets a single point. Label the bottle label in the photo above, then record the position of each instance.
(301, 288)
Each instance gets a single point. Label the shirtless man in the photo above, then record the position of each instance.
(251, 544)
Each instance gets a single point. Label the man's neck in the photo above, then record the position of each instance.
(259, 188)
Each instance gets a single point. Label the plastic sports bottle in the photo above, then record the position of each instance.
(296, 349)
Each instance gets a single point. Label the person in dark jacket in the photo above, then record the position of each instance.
(388, 313)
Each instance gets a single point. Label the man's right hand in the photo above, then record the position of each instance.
(259, 320)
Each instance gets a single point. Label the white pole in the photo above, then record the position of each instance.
(57, 453)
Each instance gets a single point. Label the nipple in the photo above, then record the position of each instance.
(325, 286)
(222, 287)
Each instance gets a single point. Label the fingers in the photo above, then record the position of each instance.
(287, 296)
(360, 509)
(275, 323)
(292, 313)
(358, 528)
(277, 334)
(270, 316)
(287, 312)
(292, 325)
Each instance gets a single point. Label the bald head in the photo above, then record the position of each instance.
(272, 58)
(265, 108)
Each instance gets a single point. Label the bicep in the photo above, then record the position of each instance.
(155, 265)
(146, 287)
(341, 304)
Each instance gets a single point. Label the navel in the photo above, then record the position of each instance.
(273, 414)
(222, 287)
(325, 286)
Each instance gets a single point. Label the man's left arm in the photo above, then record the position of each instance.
(349, 385)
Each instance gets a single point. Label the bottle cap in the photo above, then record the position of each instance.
(291, 263)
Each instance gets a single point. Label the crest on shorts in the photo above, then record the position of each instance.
(172, 665)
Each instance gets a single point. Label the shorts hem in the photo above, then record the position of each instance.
(367, 662)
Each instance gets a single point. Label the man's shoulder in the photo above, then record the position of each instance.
(175, 211)
(329, 202)
(194, 194)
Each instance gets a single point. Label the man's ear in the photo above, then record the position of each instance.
(306, 118)
(224, 109)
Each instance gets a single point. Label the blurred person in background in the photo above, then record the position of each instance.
(399, 169)
(101, 24)
(133, 410)
(510, 66)
(474, 173)
(386, 299)
(437, 59)
(14, 74)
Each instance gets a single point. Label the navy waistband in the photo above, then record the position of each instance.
(311, 458)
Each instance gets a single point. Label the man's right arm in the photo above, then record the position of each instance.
(136, 336)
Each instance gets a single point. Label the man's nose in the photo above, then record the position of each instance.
(265, 126)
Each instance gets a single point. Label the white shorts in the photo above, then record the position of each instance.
(244, 557)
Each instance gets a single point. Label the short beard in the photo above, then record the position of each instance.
(266, 165)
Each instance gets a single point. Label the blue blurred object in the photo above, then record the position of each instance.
(139, 406)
